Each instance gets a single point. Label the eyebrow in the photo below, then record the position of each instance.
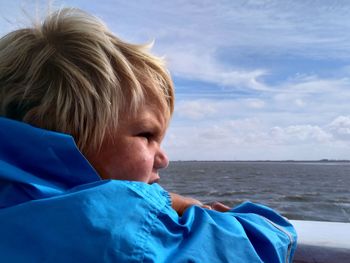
(148, 123)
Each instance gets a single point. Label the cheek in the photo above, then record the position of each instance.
(128, 161)
(139, 159)
(144, 160)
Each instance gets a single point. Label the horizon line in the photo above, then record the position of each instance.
(319, 160)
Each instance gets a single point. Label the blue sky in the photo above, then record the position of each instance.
(255, 80)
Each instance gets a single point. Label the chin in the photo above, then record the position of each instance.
(154, 181)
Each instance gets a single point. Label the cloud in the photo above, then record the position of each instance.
(313, 85)
(217, 110)
(297, 100)
(196, 65)
(340, 127)
(297, 134)
(254, 138)
(255, 103)
(195, 110)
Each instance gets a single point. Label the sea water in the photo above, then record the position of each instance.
(298, 190)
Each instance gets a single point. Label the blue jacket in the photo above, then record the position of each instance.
(55, 208)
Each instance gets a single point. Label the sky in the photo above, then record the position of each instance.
(255, 80)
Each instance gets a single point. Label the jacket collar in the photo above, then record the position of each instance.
(37, 163)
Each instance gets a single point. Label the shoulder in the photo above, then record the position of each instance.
(108, 220)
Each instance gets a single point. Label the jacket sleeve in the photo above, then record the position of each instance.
(118, 221)
(247, 233)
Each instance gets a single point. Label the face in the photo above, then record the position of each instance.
(133, 152)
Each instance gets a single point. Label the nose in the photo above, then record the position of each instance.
(161, 160)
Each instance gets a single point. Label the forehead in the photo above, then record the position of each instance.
(147, 114)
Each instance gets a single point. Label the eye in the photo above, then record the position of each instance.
(147, 135)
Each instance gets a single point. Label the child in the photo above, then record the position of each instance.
(71, 75)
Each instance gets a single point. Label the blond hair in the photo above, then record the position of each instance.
(71, 74)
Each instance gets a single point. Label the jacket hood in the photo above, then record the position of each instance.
(37, 163)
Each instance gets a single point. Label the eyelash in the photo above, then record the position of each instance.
(147, 135)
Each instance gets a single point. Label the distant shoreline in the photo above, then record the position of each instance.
(270, 161)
